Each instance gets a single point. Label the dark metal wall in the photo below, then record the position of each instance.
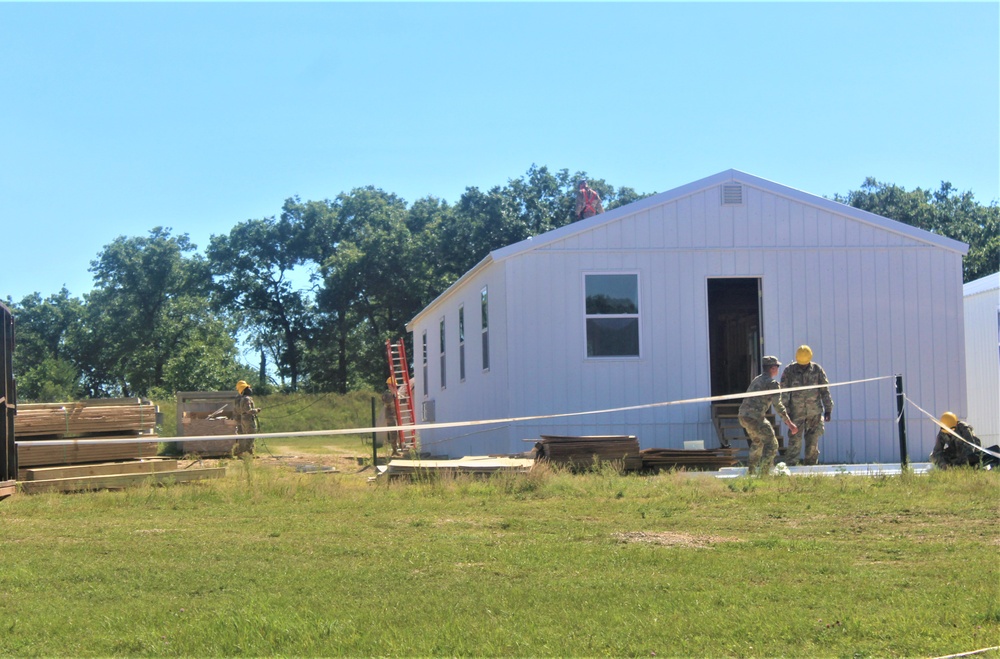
(8, 397)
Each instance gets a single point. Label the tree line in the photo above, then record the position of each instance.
(164, 317)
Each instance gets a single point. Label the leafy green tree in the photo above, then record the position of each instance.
(43, 354)
(253, 268)
(946, 212)
(367, 295)
(148, 312)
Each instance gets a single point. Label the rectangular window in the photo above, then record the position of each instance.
(444, 380)
(424, 362)
(461, 343)
(612, 315)
(484, 299)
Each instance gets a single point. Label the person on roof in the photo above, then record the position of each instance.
(588, 202)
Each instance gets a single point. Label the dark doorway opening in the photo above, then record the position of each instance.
(734, 333)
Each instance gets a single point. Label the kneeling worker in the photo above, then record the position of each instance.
(752, 416)
(950, 451)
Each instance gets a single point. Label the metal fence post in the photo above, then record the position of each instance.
(904, 459)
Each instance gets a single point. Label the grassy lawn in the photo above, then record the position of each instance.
(272, 562)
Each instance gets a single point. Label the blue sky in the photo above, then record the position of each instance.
(116, 118)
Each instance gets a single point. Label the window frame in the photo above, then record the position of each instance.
(484, 311)
(637, 315)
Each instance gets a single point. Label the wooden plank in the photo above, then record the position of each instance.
(100, 469)
(7, 488)
(113, 482)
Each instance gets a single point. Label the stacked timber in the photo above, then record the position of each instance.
(583, 452)
(95, 421)
(663, 458)
(7, 488)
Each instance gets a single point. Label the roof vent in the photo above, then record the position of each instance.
(732, 194)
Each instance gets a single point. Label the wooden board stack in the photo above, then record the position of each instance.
(664, 458)
(88, 466)
(585, 451)
(114, 418)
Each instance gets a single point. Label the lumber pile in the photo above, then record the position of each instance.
(99, 419)
(583, 452)
(113, 416)
(101, 444)
(7, 488)
(712, 459)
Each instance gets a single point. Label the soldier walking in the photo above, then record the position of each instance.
(808, 408)
(752, 416)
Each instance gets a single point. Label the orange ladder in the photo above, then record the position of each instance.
(405, 414)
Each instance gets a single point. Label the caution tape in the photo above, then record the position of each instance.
(949, 430)
(436, 426)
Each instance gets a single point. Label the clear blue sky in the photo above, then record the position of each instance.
(116, 118)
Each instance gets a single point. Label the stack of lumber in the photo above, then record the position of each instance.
(7, 488)
(584, 452)
(665, 458)
(110, 476)
(122, 416)
(104, 419)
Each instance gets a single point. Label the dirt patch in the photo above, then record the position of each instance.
(670, 539)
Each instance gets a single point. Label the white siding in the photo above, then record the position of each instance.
(982, 328)
(869, 300)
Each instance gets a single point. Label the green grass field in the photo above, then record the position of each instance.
(269, 562)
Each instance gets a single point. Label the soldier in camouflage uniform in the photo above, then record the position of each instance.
(809, 408)
(752, 416)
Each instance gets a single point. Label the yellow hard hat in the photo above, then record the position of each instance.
(804, 355)
(389, 380)
(240, 386)
(949, 419)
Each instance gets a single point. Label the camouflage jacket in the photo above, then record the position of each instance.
(757, 407)
(811, 402)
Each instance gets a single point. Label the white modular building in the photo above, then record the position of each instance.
(675, 298)
(982, 355)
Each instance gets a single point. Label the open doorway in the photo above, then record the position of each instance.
(734, 333)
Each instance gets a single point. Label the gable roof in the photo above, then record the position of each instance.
(727, 176)
(981, 285)
(730, 176)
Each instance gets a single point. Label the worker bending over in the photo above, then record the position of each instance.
(753, 418)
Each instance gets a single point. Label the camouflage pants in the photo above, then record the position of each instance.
(811, 428)
(763, 444)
